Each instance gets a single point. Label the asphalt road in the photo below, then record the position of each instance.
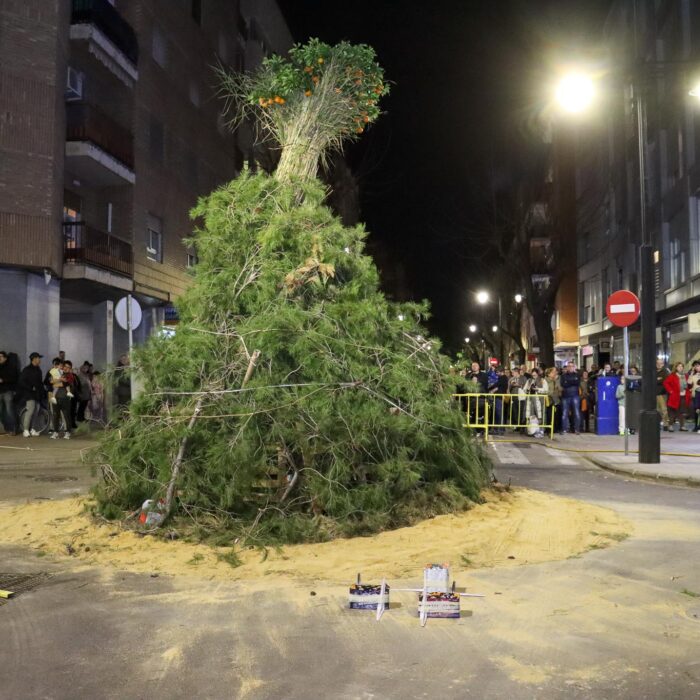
(613, 623)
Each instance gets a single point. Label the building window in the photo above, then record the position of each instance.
(159, 48)
(589, 301)
(678, 275)
(556, 320)
(695, 239)
(192, 259)
(74, 84)
(197, 11)
(154, 239)
(156, 141)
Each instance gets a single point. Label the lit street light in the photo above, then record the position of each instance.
(483, 297)
(518, 298)
(575, 92)
(472, 328)
(466, 340)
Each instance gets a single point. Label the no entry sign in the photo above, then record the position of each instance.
(622, 308)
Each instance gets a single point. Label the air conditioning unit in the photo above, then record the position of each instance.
(74, 85)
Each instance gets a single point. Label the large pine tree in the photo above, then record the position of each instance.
(294, 402)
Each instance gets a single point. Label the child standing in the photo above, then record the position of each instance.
(56, 377)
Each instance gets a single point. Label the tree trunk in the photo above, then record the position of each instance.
(542, 319)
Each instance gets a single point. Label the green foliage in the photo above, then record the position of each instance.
(346, 426)
(309, 102)
(357, 77)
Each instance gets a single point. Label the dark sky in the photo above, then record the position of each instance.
(468, 80)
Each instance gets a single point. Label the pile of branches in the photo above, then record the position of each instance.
(294, 402)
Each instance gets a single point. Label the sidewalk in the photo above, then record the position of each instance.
(680, 455)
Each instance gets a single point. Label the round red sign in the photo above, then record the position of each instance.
(623, 308)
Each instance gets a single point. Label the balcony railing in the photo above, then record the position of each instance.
(87, 123)
(84, 244)
(110, 23)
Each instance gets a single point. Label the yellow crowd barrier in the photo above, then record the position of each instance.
(487, 412)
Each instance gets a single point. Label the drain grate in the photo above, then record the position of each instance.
(21, 583)
(693, 613)
(50, 478)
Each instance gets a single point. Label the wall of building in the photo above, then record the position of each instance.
(33, 51)
(176, 105)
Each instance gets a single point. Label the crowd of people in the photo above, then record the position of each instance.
(65, 395)
(572, 396)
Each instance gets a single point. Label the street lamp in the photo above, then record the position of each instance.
(483, 297)
(518, 298)
(472, 328)
(574, 94)
(466, 340)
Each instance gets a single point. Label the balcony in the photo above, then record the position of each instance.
(98, 150)
(84, 247)
(108, 37)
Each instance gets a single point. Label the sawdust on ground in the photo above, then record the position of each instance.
(508, 529)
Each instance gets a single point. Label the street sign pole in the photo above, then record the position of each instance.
(626, 371)
(130, 330)
(623, 310)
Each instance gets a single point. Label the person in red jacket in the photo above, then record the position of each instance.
(676, 384)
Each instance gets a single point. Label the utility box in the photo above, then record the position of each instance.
(607, 418)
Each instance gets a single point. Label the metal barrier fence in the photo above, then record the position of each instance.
(500, 411)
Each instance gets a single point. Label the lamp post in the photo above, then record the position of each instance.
(575, 94)
(483, 298)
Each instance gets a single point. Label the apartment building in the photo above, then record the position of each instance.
(110, 129)
(665, 37)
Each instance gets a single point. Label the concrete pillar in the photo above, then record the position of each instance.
(103, 340)
(29, 314)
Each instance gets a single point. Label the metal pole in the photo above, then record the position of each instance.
(649, 434)
(625, 372)
(500, 330)
(130, 331)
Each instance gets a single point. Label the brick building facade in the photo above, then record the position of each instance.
(110, 130)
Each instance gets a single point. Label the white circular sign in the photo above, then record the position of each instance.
(120, 314)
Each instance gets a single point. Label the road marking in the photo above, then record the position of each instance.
(622, 308)
(509, 455)
(561, 458)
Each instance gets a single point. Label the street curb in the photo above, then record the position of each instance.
(693, 482)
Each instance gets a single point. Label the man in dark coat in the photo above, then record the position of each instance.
(30, 391)
(570, 398)
(8, 384)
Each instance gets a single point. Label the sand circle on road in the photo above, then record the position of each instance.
(509, 529)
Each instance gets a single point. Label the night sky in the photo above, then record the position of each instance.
(468, 81)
